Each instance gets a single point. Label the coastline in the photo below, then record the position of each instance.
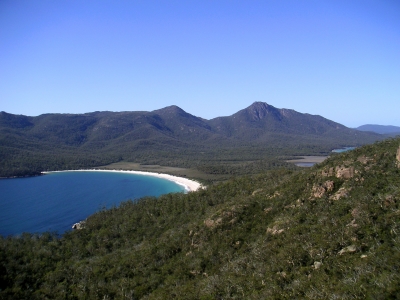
(188, 184)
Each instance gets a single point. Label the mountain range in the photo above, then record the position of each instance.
(72, 140)
(259, 123)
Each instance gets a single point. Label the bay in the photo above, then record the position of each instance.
(55, 201)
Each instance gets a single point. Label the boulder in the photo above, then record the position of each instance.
(317, 264)
(350, 249)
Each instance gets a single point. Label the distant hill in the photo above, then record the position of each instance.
(381, 129)
(168, 135)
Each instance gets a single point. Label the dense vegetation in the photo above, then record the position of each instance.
(258, 135)
(328, 232)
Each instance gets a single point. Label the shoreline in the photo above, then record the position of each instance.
(188, 184)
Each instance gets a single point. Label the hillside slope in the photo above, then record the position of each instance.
(328, 232)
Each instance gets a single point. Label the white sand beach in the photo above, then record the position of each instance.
(188, 184)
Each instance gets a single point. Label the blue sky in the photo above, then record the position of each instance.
(338, 59)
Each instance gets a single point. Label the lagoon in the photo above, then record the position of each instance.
(55, 201)
(309, 161)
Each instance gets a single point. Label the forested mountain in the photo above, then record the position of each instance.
(264, 124)
(29, 145)
(328, 232)
(381, 129)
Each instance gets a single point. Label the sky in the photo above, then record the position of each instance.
(338, 59)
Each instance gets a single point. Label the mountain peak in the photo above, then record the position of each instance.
(259, 104)
(170, 110)
(260, 110)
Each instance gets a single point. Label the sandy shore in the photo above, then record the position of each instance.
(189, 185)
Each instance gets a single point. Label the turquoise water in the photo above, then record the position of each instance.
(345, 149)
(54, 202)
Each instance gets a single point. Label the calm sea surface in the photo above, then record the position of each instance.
(54, 202)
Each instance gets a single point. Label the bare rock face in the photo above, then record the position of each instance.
(346, 173)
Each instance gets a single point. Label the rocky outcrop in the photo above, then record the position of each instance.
(342, 192)
(364, 160)
(267, 210)
(340, 171)
(213, 223)
(275, 230)
(328, 173)
(79, 225)
(329, 185)
(256, 192)
(319, 190)
(345, 173)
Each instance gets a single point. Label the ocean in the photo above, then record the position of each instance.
(55, 201)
